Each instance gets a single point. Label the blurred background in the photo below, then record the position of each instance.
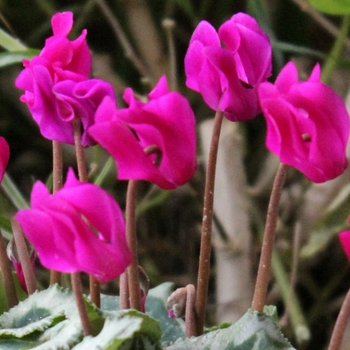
(134, 42)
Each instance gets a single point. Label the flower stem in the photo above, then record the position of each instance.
(78, 293)
(263, 276)
(191, 316)
(340, 324)
(23, 255)
(57, 176)
(124, 302)
(83, 177)
(79, 151)
(133, 269)
(205, 248)
(6, 274)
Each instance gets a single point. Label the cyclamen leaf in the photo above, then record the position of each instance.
(38, 312)
(172, 328)
(254, 330)
(124, 330)
(14, 57)
(46, 320)
(334, 7)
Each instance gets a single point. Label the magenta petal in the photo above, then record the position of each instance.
(206, 34)
(132, 162)
(315, 75)
(287, 77)
(160, 89)
(4, 156)
(229, 35)
(235, 108)
(81, 195)
(62, 23)
(345, 241)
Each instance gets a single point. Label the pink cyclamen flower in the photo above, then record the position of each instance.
(227, 77)
(56, 87)
(166, 122)
(80, 228)
(307, 124)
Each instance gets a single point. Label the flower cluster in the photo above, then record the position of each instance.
(307, 122)
(154, 141)
(307, 127)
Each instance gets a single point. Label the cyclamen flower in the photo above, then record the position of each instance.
(56, 85)
(80, 228)
(307, 124)
(166, 122)
(227, 77)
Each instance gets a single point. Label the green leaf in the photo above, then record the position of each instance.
(109, 302)
(172, 328)
(17, 344)
(48, 319)
(254, 330)
(334, 7)
(13, 193)
(36, 313)
(125, 330)
(14, 57)
(10, 43)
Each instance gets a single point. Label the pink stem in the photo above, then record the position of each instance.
(57, 176)
(205, 248)
(263, 275)
(340, 325)
(24, 257)
(83, 177)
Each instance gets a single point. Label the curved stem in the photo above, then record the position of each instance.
(83, 177)
(263, 276)
(79, 151)
(24, 257)
(340, 324)
(205, 248)
(57, 177)
(132, 271)
(6, 274)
